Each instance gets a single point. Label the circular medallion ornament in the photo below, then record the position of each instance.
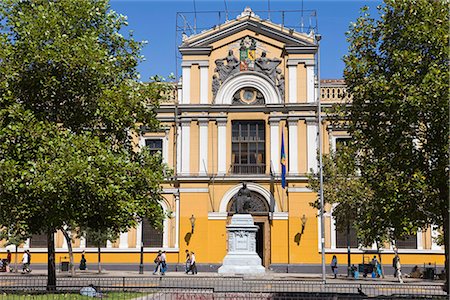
(248, 95)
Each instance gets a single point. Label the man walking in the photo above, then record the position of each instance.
(163, 263)
(193, 265)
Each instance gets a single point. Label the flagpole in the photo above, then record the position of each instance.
(319, 119)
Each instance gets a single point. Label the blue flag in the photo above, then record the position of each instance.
(283, 163)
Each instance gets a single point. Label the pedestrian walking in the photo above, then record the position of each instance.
(193, 265)
(334, 266)
(394, 264)
(398, 270)
(157, 261)
(163, 263)
(26, 262)
(188, 262)
(8, 261)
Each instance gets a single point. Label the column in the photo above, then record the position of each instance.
(82, 242)
(139, 235)
(186, 88)
(177, 220)
(203, 146)
(292, 71)
(293, 146)
(26, 244)
(180, 90)
(221, 146)
(419, 239)
(185, 146)
(275, 150)
(178, 137)
(123, 240)
(108, 244)
(312, 144)
(204, 83)
(310, 91)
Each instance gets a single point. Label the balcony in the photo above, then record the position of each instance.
(248, 168)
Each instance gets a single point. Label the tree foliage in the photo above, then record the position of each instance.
(70, 103)
(397, 72)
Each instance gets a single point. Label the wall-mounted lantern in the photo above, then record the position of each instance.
(303, 219)
(192, 219)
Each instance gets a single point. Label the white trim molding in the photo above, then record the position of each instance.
(203, 146)
(299, 190)
(217, 215)
(312, 144)
(293, 146)
(221, 146)
(292, 80)
(281, 216)
(248, 79)
(274, 144)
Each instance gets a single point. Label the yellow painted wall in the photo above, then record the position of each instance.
(195, 84)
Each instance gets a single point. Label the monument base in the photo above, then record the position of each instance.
(242, 257)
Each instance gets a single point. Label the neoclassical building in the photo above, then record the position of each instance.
(247, 87)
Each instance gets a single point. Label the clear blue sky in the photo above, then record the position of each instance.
(155, 22)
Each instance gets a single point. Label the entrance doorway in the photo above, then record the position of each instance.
(260, 240)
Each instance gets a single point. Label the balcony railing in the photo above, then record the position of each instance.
(248, 168)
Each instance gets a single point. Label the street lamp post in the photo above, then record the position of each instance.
(319, 119)
(141, 263)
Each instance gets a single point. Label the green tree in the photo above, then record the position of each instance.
(99, 238)
(70, 103)
(397, 72)
(344, 190)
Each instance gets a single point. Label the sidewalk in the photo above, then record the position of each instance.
(270, 275)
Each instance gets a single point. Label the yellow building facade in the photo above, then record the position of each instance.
(247, 87)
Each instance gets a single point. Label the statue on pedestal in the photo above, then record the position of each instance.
(243, 199)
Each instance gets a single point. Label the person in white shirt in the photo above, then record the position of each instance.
(193, 265)
(26, 262)
(163, 263)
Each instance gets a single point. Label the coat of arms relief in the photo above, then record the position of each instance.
(248, 61)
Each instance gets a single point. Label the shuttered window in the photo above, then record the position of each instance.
(38, 241)
(410, 242)
(151, 236)
(341, 238)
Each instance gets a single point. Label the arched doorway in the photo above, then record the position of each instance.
(259, 209)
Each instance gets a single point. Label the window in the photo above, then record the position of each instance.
(151, 236)
(155, 145)
(248, 147)
(341, 142)
(341, 238)
(38, 241)
(91, 244)
(410, 242)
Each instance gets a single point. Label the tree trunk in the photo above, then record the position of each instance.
(15, 259)
(51, 269)
(69, 247)
(99, 260)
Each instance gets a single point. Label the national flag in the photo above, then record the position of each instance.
(283, 163)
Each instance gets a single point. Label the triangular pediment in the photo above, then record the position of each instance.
(289, 38)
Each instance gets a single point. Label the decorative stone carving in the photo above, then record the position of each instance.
(267, 66)
(215, 85)
(230, 65)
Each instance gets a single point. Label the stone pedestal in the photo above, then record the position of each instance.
(242, 257)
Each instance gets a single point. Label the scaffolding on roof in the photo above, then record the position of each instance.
(192, 23)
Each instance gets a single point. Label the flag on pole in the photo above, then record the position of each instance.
(283, 163)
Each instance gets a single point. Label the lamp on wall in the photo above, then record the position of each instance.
(192, 219)
(303, 219)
